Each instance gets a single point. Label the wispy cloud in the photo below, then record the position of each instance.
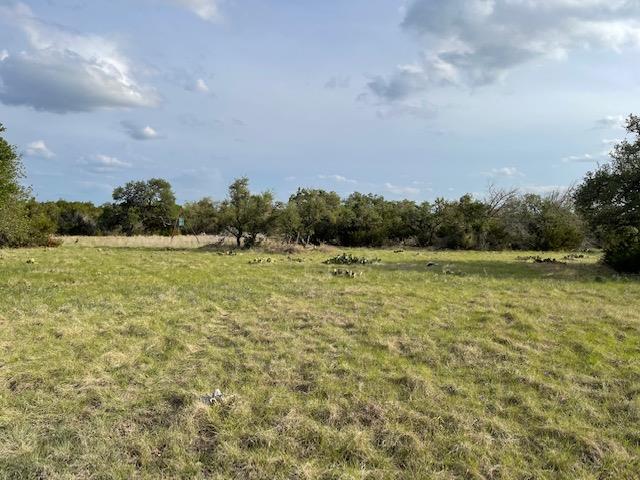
(401, 190)
(39, 149)
(100, 163)
(138, 132)
(587, 157)
(544, 189)
(337, 178)
(199, 86)
(206, 9)
(610, 122)
(504, 172)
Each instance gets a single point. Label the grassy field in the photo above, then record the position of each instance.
(482, 366)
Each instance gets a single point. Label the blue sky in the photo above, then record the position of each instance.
(415, 99)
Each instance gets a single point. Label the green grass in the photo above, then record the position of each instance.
(496, 369)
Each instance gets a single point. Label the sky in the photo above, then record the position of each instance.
(413, 99)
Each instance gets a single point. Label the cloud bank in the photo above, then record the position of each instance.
(471, 43)
(64, 71)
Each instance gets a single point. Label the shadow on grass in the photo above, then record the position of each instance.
(508, 268)
(513, 269)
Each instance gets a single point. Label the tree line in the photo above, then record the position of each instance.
(505, 220)
(604, 210)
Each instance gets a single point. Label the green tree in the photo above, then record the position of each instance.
(289, 222)
(142, 207)
(245, 216)
(609, 200)
(361, 221)
(262, 217)
(14, 224)
(462, 224)
(317, 212)
(71, 218)
(77, 218)
(423, 225)
(202, 216)
(534, 222)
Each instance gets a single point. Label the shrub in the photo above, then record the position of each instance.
(623, 250)
(348, 259)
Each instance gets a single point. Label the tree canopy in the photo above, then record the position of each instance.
(609, 200)
(14, 223)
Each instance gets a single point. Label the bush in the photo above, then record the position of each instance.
(623, 250)
(609, 199)
(348, 259)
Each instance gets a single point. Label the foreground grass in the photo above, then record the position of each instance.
(495, 369)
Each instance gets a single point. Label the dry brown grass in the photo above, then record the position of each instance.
(148, 241)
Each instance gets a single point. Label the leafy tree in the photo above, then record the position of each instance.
(71, 218)
(609, 200)
(22, 222)
(557, 226)
(111, 219)
(317, 212)
(202, 216)
(262, 217)
(77, 218)
(461, 224)
(245, 216)
(362, 221)
(533, 222)
(289, 222)
(423, 224)
(235, 210)
(142, 207)
(398, 219)
(14, 224)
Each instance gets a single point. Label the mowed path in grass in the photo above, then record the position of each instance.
(482, 366)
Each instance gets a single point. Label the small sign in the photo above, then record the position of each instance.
(181, 222)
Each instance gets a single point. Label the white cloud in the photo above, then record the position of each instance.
(504, 172)
(587, 157)
(401, 190)
(610, 122)
(189, 80)
(4, 54)
(206, 9)
(39, 149)
(103, 163)
(544, 189)
(138, 132)
(478, 42)
(406, 81)
(65, 71)
(198, 85)
(337, 178)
